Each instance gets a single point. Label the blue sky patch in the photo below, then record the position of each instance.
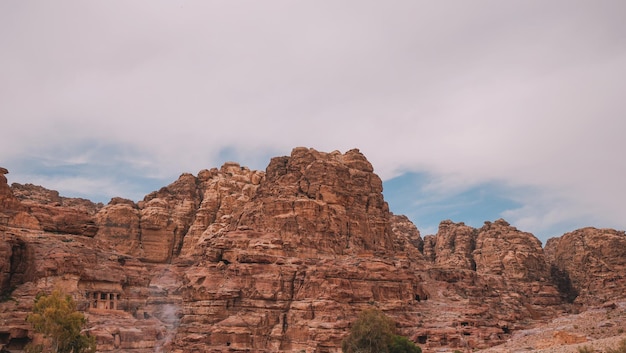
(410, 195)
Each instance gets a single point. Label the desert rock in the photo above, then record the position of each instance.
(591, 264)
(283, 260)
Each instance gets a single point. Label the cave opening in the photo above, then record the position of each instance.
(17, 344)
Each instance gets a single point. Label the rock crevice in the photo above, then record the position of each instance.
(283, 260)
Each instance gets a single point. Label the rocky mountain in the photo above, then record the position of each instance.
(235, 260)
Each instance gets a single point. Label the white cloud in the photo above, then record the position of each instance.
(523, 93)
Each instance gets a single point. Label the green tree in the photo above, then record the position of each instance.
(55, 317)
(401, 344)
(374, 332)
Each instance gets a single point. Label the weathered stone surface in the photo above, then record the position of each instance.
(225, 192)
(322, 202)
(492, 278)
(118, 225)
(407, 234)
(82, 267)
(166, 216)
(283, 261)
(10, 206)
(13, 262)
(54, 213)
(453, 246)
(590, 264)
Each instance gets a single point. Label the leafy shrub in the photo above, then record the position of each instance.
(401, 344)
(55, 317)
(586, 349)
(374, 332)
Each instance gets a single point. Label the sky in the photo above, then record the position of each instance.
(468, 110)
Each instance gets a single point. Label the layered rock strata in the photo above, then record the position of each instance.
(590, 264)
(283, 260)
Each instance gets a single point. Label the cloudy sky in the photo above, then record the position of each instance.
(468, 110)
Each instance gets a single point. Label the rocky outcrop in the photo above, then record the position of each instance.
(165, 217)
(53, 213)
(494, 278)
(12, 212)
(283, 260)
(224, 192)
(295, 250)
(452, 246)
(407, 237)
(8, 202)
(118, 225)
(13, 262)
(496, 252)
(590, 264)
(96, 276)
(326, 202)
(176, 219)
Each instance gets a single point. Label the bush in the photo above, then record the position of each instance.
(374, 332)
(586, 349)
(401, 344)
(55, 317)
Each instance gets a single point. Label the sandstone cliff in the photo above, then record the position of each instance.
(283, 260)
(591, 263)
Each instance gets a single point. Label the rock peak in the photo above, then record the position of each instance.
(282, 260)
(334, 199)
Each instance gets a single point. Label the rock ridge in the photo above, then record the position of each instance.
(282, 260)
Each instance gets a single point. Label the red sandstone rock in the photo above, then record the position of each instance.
(55, 213)
(454, 246)
(591, 264)
(118, 224)
(9, 204)
(283, 260)
(326, 202)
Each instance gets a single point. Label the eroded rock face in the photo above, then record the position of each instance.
(224, 192)
(407, 237)
(7, 199)
(494, 278)
(453, 246)
(12, 212)
(81, 266)
(253, 300)
(283, 260)
(175, 220)
(13, 262)
(504, 250)
(54, 213)
(166, 216)
(326, 202)
(590, 264)
(295, 250)
(118, 225)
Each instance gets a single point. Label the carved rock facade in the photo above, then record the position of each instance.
(283, 260)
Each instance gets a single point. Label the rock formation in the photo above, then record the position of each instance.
(282, 261)
(590, 264)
